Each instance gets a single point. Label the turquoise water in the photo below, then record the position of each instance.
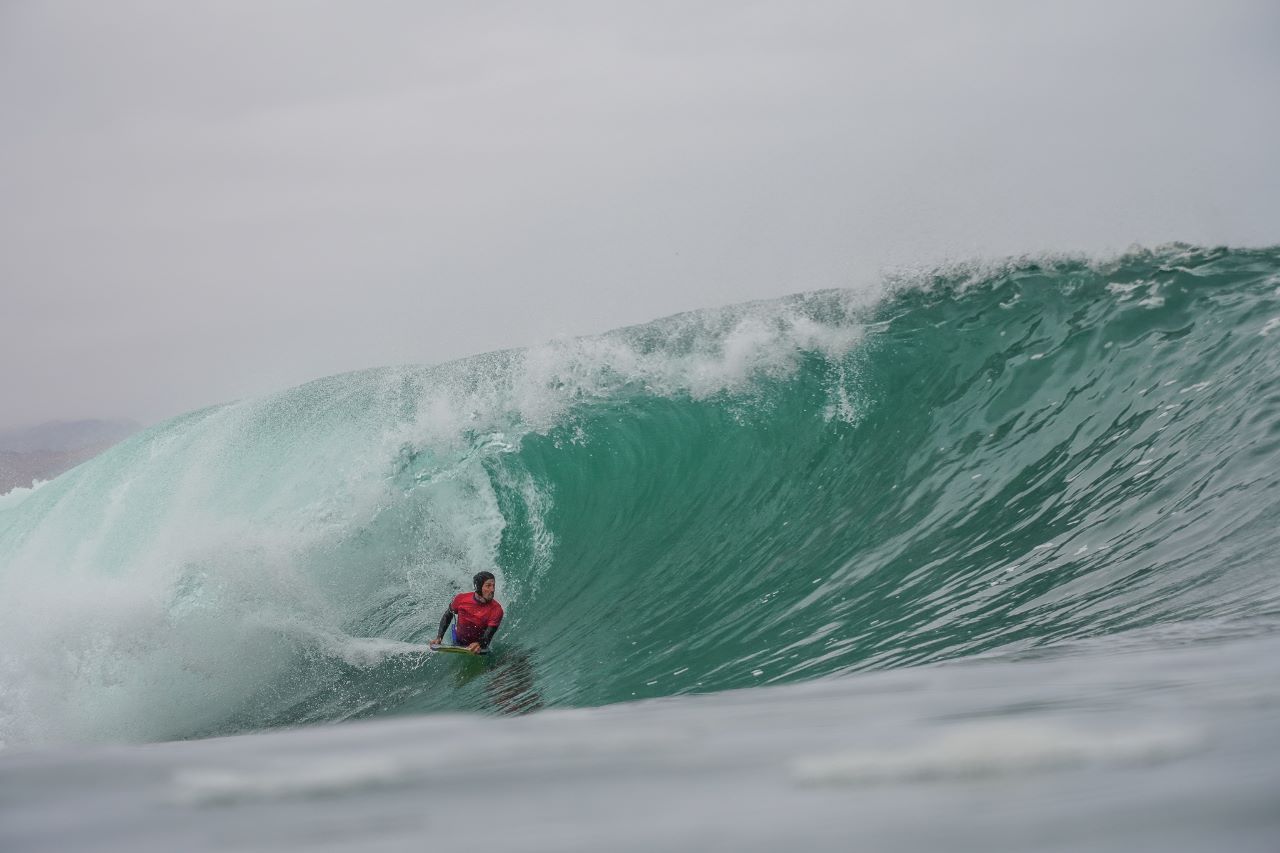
(986, 460)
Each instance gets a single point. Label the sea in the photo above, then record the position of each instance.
(977, 558)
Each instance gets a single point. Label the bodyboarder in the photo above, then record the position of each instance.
(479, 616)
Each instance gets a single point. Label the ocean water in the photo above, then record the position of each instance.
(981, 558)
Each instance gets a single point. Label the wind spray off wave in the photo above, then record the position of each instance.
(975, 460)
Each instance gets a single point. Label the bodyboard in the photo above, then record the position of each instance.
(458, 650)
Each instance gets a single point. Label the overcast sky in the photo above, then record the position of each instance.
(206, 201)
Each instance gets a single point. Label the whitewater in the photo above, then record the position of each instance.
(983, 557)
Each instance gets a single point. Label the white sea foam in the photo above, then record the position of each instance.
(299, 778)
(18, 494)
(992, 749)
(371, 651)
(171, 583)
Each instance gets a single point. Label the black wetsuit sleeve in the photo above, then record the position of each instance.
(487, 637)
(445, 620)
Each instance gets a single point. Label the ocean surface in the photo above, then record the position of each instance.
(983, 558)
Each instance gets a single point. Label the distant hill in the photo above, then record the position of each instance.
(65, 435)
(45, 451)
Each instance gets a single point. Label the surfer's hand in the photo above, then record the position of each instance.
(437, 641)
(474, 648)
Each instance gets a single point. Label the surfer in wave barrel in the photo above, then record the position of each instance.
(479, 616)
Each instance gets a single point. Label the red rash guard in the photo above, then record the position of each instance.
(474, 617)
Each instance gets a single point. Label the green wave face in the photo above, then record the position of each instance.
(1046, 453)
(977, 460)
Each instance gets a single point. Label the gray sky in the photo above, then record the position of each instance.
(204, 201)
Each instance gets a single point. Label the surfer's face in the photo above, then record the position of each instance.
(486, 590)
